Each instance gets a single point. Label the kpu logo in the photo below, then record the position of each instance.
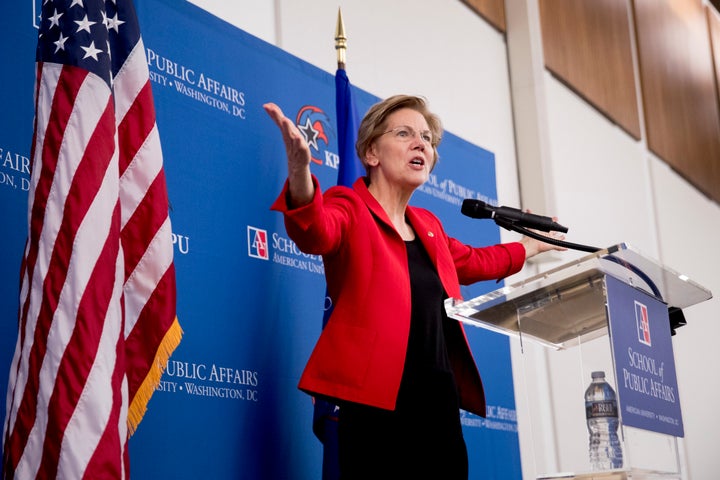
(316, 126)
(258, 243)
(642, 320)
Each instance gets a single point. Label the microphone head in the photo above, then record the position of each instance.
(476, 209)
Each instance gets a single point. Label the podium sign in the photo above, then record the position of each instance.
(644, 361)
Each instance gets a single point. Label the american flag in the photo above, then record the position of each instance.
(96, 313)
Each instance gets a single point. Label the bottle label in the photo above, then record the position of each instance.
(607, 408)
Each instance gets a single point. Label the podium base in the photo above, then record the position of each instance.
(616, 474)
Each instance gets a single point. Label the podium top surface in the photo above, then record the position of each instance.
(558, 306)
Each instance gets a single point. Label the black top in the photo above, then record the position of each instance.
(426, 359)
(422, 437)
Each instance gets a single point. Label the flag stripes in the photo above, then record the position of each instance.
(74, 209)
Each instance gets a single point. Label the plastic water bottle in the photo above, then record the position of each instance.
(602, 422)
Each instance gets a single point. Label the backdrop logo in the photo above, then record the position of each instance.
(14, 170)
(182, 242)
(643, 323)
(315, 126)
(258, 243)
(210, 380)
(37, 8)
(194, 84)
(448, 191)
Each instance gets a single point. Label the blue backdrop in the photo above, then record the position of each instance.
(249, 302)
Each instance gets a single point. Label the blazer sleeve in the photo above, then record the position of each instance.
(474, 264)
(318, 227)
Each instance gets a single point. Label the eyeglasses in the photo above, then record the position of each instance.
(405, 133)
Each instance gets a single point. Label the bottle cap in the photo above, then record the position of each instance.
(598, 374)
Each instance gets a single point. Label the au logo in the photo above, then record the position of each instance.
(315, 126)
(642, 320)
(258, 243)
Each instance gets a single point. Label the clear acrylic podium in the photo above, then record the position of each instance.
(563, 312)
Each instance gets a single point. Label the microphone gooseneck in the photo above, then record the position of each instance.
(521, 222)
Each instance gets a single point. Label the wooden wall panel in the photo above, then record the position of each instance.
(713, 18)
(587, 45)
(491, 10)
(679, 94)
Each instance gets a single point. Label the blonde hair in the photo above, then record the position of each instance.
(373, 124)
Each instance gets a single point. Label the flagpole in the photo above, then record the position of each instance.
(326, 413)
(340, 40)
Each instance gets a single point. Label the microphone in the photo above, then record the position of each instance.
(479, 209)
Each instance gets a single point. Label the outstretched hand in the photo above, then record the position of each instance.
(298, 152)
(298, 157)
(534, 246)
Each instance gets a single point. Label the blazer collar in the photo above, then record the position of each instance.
(362, 190)
(427, 235)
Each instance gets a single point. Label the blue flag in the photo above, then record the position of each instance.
(325, 414)
(350, 167)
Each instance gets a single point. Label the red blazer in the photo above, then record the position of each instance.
(361, 351)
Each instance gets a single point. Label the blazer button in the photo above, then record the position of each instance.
(431, 234)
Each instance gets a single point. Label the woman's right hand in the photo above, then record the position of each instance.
(298, 154)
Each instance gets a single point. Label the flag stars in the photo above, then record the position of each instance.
(60, 43)
(82, 37)
(84, 24)
(113, 23)
(91, 51)
(55, 19)
(109, 50)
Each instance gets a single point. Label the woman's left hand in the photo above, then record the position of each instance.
(534, 246)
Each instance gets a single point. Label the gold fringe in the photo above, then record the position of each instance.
(138, 405)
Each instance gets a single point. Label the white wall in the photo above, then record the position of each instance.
(604, 185)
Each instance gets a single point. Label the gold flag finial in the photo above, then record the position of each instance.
(340, 40)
